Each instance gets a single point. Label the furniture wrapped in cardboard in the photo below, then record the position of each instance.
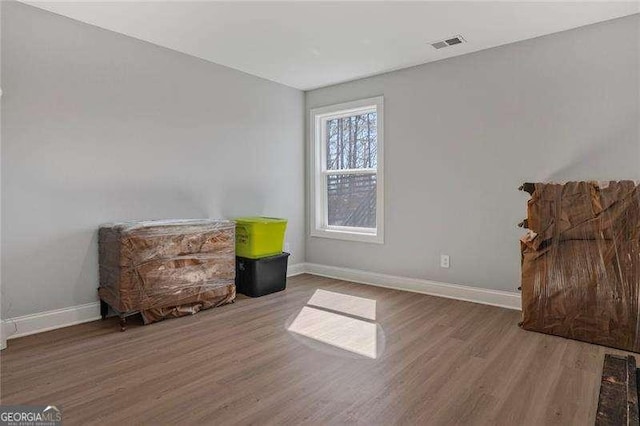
(166, 268)
(581, 262)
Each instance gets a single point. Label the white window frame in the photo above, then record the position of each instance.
(318, 210)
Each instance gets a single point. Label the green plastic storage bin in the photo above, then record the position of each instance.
(258, 237)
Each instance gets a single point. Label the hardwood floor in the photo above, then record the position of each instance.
(437, 361)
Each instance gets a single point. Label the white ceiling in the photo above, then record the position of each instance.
(313, 44)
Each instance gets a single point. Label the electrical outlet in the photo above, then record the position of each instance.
(444, 261)
(287, 247)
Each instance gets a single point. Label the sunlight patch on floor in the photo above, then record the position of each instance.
(345, 303)
(343, 332)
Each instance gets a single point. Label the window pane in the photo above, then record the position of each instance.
(352, 142)
(351, 200)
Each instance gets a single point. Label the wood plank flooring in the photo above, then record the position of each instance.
(439, 362)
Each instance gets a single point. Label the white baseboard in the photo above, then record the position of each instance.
(503, 299)
(51, 320)
(297, 269)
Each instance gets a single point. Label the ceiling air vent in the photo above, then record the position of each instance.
(448, 42)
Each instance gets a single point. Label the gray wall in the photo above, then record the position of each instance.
(462, 134)
(99, 127)
(3, 340)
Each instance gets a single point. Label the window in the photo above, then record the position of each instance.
(346, 164)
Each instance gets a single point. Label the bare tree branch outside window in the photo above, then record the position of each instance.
(352, 144)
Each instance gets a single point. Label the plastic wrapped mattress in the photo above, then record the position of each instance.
(581, 262)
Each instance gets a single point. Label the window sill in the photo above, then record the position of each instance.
(362, 237)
